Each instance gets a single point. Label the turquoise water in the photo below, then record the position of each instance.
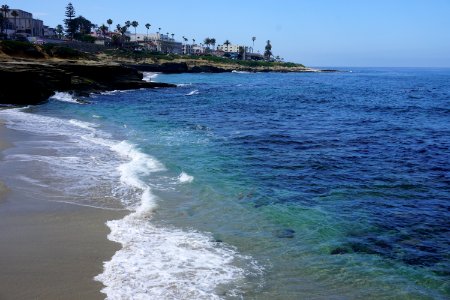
(299, 186)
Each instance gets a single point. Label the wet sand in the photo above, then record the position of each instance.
(49, 250)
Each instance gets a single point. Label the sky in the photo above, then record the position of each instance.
(339, 33)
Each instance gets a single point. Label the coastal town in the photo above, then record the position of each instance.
(18, 24)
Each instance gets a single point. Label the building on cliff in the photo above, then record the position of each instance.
(24, 24)
(158, 42)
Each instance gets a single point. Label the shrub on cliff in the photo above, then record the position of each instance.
(57, 51)
(17, 48)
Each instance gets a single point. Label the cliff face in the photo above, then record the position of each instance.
(24, 83)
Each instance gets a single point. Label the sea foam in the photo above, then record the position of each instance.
(149, 76)
(194, 92)
(185, 178)
(154, 262)
(64, 97)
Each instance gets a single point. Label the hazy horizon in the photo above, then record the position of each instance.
(321, 33)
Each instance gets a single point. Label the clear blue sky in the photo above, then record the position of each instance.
(404, 33)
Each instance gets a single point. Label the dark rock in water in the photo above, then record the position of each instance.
(218, 241)
(286, 233)
(340, 250)
(176, 68)
(207, 69)
(39, 81)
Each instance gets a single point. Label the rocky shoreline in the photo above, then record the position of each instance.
(29, 83)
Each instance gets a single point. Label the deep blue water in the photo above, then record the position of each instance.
(338, 184)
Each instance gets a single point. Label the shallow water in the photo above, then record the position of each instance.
(264, 186)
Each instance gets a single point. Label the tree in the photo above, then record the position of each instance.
(2, 24)
(109, 22)
(241, 54)
(59, 30)
(70, 26)
(5, 10)
(128, 24)
(104, 29)
(135, 24)
(15, 14)
(82, 25)
(159, 30)
(213, 42)
(227, 43)
(148, 27)
(207, 42)
(173, 34)
(193, 41)
(268, 50)
(253, 39)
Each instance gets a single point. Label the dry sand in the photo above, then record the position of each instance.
(50, 250)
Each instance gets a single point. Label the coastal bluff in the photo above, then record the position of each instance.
(33, 82)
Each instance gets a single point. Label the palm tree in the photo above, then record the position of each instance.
(118, 27)
(213, 42)
(135, 24)
(193, 41)
(227, 43)
(148, 27)
(207, 42)
(159, 29)
(103, 29)
(128, 24)
(15, 15)
(109, 22)
(253, 39)
(173, 34)
(5, 10)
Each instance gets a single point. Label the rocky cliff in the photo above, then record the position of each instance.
(24, 83)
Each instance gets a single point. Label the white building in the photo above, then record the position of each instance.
(163, 43)
(230, 48)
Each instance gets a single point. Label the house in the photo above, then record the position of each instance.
(24, 24)
(230, 48)
(158, 42)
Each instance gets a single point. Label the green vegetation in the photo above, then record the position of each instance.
(16, 48)
(268, 51)
(156, 56)
(26, 49)
(55, 50)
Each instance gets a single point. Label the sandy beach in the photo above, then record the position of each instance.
(48, 250)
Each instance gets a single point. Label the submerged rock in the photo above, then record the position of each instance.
(285, 233)
(340, 250)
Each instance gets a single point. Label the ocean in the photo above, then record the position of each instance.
(258, 185)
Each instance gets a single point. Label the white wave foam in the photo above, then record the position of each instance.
(240, 72)
(149, 76)
(194, 92)
(64, 97)
(185, 178)
(183, 264)
(113, 92)
(154, 262)
(183, 84)
(84, 125)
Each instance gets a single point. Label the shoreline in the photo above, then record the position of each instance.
(49, 250)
